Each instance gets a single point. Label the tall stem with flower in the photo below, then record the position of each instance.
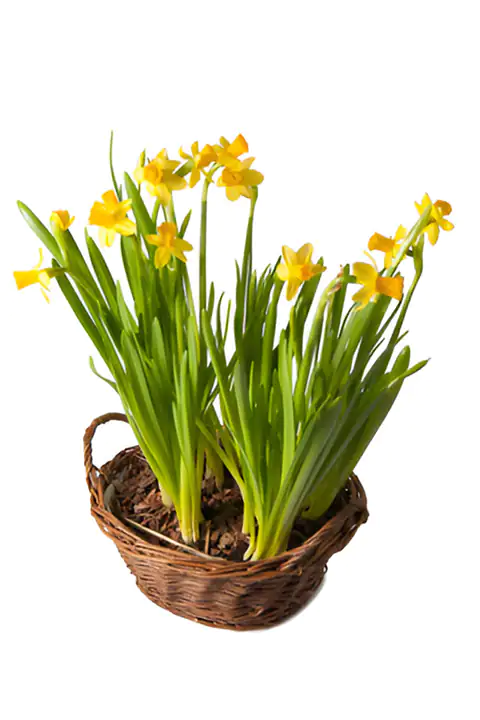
(292, 410)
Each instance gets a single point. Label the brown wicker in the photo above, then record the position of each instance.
(219, 592)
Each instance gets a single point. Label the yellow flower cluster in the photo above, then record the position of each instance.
(161, 177)
(298, 267)
(374, 284)
(237, 176)
(369, 276)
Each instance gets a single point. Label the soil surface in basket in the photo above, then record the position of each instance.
(139, 499)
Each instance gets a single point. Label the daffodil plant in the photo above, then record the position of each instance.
(292, 410)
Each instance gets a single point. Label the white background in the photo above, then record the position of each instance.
(353, 111)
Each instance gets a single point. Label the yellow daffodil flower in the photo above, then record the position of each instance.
(159, 177)
(228, 153)
(298, 268)
(440, 208)
(111, 217)
(168, 243)
(389, 246)
(62, 219)
(373, 284)
(37, 274)
(200, 159)
(240, 182)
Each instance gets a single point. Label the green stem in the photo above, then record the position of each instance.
(156, 208)
(203, 247)
(247, 253)
(118, 189)
(313, 340)
(412, 236)
(245, 275)
(171, 211)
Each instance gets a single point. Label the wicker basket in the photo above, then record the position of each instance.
(219, 592)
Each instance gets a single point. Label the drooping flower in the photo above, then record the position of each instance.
(440, 208)
(240, 181)
(37, 274)
(374, 284)
(168, 243)
(200, 159)
(159, 177)
(62, 219)
(111, 217)
(297, 268)
(389, 246)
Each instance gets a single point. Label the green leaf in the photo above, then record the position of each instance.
(95, 372)
(185, 223)
(132, 259)
(81, 313)
(118, 189)
(126, 317)
(145, 224)
(103, 274)
(41, 232)
(285, 378)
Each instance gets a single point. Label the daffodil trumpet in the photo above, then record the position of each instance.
(286, 407)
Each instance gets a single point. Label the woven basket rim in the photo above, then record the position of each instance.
(202, 562)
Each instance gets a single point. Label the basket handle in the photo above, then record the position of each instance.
(91, 470)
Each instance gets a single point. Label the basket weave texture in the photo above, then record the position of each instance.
(218, 592)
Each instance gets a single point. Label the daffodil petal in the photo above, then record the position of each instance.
(162, 256)
(162, 193)
(99, 215)
(317, 269)
(393, 287)
(139, 174)
(175, 182)
(363, 296)
(380, 242)
(24, 278)
(289, 255)
(446, 225)
(194, 177)
(153, 239)
(230, 162)
(124, 206)
(178, 253)
(365, 274)
(252, 178)
(62, 219)
(238, 146)
(183, 245)
(125, 227)
(292, 288)
(432, 232)
(304, 255)
(444, 207)
(106, 236)
(109, 198)
(233, 192)
(283, 272)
